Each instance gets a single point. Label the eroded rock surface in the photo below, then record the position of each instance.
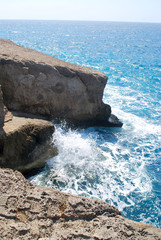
(28, 212)
(25, 143)
(35, 83)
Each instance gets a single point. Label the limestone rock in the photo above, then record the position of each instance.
(28, 212)
(25, 142)
(35, 83)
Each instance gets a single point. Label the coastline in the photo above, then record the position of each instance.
(143, 227)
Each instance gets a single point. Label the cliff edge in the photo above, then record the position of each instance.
(35, 83)
(28, 212)
(25, 141)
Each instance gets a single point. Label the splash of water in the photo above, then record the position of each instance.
(96, 163)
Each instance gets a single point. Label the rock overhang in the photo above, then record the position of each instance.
(36, 83)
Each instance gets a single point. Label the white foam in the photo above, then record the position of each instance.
(83, 167)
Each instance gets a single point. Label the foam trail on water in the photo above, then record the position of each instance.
(116, 165)
(121, 166)
(88, 165)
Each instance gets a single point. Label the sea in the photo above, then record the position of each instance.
(119, 165)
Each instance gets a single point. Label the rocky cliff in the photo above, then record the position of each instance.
(39, 84)
(35, 83)
(28, 212)
(24, 141)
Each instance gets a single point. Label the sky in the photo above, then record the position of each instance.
(97, 10)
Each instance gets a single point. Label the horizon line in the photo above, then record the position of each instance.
(68, 20)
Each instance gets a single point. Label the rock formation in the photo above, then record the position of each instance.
(24, 141)
(35, 83)
(28, 212)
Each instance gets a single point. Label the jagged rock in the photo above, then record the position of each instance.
(28, 212)
(35, 83)
(25, 142)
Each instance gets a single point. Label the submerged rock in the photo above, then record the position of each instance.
(36, 83)
(28, 212)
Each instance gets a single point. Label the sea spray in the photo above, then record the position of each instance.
(99, 163)
(121, 166)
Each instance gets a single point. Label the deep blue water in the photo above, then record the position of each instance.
(120, 166)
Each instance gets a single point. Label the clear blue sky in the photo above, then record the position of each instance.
(101, 10)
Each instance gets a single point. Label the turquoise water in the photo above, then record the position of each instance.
(120, 166)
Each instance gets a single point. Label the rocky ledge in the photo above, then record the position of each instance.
(25, 142)
(39, 84)
(35, 83)
(32, 83)
(28, 212)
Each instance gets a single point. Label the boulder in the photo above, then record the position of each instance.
(28, 212)
(39, 84)
(25, 142)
